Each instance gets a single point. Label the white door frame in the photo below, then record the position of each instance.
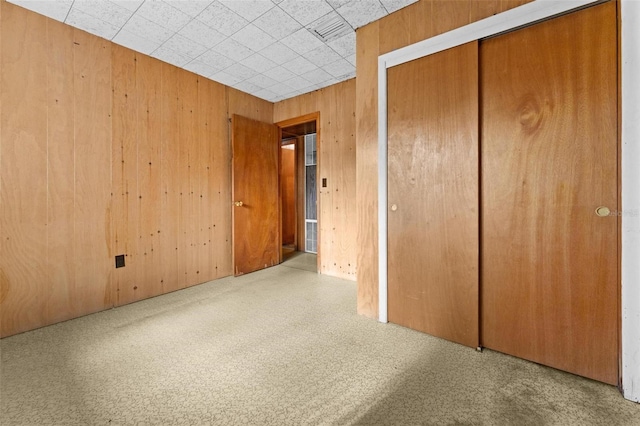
(630, 216)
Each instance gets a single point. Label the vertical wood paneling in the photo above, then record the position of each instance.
(170, 164)
(92, 98)
(148, 131)
(61, 171)
(249, 106)
(336, 163)
(367, 51)
(125, 212)
(187, 259)
(23, 154)
(216, 132)
(414, 23)
(96, 148)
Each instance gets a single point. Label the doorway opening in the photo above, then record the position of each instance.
(299, 163)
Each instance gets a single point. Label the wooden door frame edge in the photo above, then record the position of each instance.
(528, 14)
(313, 116)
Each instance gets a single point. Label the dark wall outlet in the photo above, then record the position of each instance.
(120, 261)
(324, 182)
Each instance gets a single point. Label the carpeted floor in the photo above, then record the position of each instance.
(282, 346)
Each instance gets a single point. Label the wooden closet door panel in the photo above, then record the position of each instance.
(549, 159)
(433, 194)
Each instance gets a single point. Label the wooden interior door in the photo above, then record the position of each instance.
(288, 191)
(433, 194)
(549, 147)
(256, 210)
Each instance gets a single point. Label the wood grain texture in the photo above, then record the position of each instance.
(549, 159)
(96, 147)
(367, 51)
(219, 175)
(148, 83)
(125, 206)
(249, 106)
(23, 155)
(409, 25)
(61, 172)
(336, 163)
(256, 222)
(92, 98)
(433, 243)
(288, 191)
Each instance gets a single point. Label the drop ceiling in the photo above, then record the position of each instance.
(267, 48)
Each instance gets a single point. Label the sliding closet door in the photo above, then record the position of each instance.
(549, 171)
(433, 194)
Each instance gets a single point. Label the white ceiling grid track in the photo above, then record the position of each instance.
(268, 48)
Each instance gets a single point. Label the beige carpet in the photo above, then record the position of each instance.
(278, 347)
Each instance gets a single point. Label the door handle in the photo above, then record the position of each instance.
(238, 203)
(603, 211)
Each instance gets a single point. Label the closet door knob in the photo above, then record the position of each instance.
(394, 207)
(238, 203)
(603, 211)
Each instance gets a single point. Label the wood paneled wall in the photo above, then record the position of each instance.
(104, 151)
(419, 21)
(336, 163)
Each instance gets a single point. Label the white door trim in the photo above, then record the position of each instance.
(525, 15)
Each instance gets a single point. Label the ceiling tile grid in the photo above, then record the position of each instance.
(267, 48)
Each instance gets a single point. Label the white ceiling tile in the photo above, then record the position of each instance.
(277, 23)
(57, 10)
(215, 60)
(91, 24)
(352, 59)
(301, 41)
(201, 33)
(279, 74)
(337, 3)
(345, 45)
(281, 89)
(163, 14)
(226, 78)
(187, 47)
(262, 81)
(317, 76)
(200, 68)
(131, 5)
(278, 53)
(266, 94)
(144, 28)
(171, 56)
(300, 65)
(222, 19)
(322, 56)
(258, 62)
(247, 87)
(297, 83)
(233, 49)
(253, 38)
(393, 5)
(340, 68)
(361, 12)
(249, 9)
(241, 71)
(104, 10)
(190, 7)
(134, 42)
(306, 11)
